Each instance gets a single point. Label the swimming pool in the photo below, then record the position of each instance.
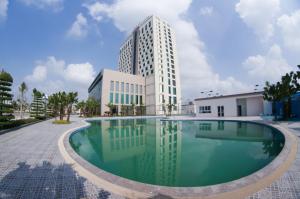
(178, 153)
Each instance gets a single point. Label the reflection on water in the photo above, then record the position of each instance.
(178, 153)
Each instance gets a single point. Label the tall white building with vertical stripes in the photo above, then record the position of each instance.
(148, 52)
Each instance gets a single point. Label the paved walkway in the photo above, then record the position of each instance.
(31, 167)
(288, 186)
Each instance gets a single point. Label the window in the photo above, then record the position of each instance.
(204, 109)
(131, 88)
(169, 90)
(141, 99)
(127, 87)
(111, 85)
(117, 98)
(122, 87)
(122, 98)
(174, 100)
(174, 91)
(111, 98)
(136, 88)
(131, 99)
(117, 86)
(127, 99)
(136, 99)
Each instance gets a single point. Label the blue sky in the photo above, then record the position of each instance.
(225, 46)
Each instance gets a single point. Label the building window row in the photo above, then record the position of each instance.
(125, 99)
(204, 109)
(115, 85)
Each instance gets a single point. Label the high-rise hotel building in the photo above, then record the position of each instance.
(148, 64)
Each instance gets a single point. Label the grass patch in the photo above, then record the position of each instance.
(61, 122)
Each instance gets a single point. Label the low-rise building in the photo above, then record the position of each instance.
(244, 104)
(188, 108)
(117, 88)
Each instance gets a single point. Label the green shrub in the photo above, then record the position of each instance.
(16, 123)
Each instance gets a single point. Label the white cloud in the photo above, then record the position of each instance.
(53, 75)
(3, 9)
(56, 5)
(81, 73)
(206, 11)
(79, 27)
(290, 28)
(196, 73)
(259, 15)
(39, 74)
(269, 67)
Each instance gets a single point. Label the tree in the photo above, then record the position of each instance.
(15, 105)
(296, 79)
(91, 106)
(6, 109)
(111, 107)
(170, 107)
(71, 98)
(53, 104)
(37, 109)
(22, 101)
(286, 90)
(283, 91)
(62, 102)
(271, 93)
(81, 107)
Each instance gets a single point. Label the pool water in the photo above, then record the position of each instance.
(178, 153)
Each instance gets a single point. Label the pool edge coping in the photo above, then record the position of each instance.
(239, 188)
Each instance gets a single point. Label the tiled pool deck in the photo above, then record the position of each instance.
(31, 166)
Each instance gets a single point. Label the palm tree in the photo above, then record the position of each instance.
(71, 98)
(81, 106)
(53, 102)
(62, 101)
(22, 89)
(91, 106)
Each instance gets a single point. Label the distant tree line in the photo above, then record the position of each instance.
(89, 107)
(61, 104)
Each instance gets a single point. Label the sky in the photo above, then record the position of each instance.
(224, 46)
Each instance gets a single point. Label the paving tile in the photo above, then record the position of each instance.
(31, 166)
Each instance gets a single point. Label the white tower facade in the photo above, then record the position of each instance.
(150, 51)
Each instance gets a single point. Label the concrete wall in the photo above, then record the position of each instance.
(229, 104)
(253, 105)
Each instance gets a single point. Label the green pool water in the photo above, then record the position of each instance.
(178, 153)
